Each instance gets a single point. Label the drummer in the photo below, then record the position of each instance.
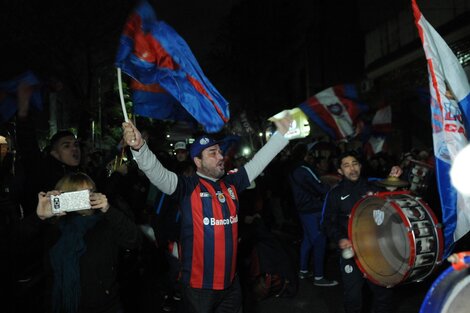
(339, 203)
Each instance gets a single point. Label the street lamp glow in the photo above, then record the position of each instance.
(246, 151)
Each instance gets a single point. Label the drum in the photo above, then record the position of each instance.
(419, 176)
(450, 292)
(396, 238)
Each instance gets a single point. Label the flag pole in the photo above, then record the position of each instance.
(121, 96)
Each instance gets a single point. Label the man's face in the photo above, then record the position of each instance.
(67, 151)
(211, 162)
(350, 168)
(181, 155)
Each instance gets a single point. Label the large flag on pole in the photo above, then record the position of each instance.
(335, 110)
(450, 97)
(151, 52)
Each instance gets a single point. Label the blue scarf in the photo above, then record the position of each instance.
(65, 260)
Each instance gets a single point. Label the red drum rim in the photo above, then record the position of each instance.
(375, 266)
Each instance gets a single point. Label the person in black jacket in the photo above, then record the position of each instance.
(308, 193)
(82, 249)
(339, 203)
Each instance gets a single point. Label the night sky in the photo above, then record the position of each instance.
(262, 54)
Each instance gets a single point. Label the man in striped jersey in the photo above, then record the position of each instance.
(209, 207)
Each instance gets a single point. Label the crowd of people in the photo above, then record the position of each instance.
(205, 235)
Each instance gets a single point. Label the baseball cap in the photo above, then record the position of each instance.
(180, 145)
(200, 144)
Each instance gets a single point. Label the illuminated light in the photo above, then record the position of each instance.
(460, 171)
(171, 145)
(260, 134)
(246, 151)
(168, 136)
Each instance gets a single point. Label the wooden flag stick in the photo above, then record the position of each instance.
(121, 96)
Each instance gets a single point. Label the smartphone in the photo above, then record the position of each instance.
(71, 201)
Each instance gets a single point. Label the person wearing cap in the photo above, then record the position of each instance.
(181, 151)
(209, 210)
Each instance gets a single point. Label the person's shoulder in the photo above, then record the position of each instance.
(336, 189)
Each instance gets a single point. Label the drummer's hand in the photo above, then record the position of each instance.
(396, 171)
(344, 244)
(132, 136)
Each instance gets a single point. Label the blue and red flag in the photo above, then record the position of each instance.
(450, 109)
(154, 101)
(151, 52)
(335, 110)
(8, 95)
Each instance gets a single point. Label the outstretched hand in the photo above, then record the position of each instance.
(283, 124)
(132, 136)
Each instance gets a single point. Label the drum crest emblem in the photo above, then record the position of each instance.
(378, 217)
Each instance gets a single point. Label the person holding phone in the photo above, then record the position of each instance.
(82, 249)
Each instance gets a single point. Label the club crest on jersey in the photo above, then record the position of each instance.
(231, 193)
(221, 197)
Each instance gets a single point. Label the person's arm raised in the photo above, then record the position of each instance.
(267, 153)
(158, 175)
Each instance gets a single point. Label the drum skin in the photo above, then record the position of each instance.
(396, 238)
(450, 292)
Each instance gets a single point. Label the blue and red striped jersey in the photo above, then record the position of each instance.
(209, 229)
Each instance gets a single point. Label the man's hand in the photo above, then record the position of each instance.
(283, 124)
(344, 243)
(98, 201)
(396, 171)
(132, 136)
(44, 208)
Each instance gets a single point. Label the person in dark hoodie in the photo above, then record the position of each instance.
(308, 193)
